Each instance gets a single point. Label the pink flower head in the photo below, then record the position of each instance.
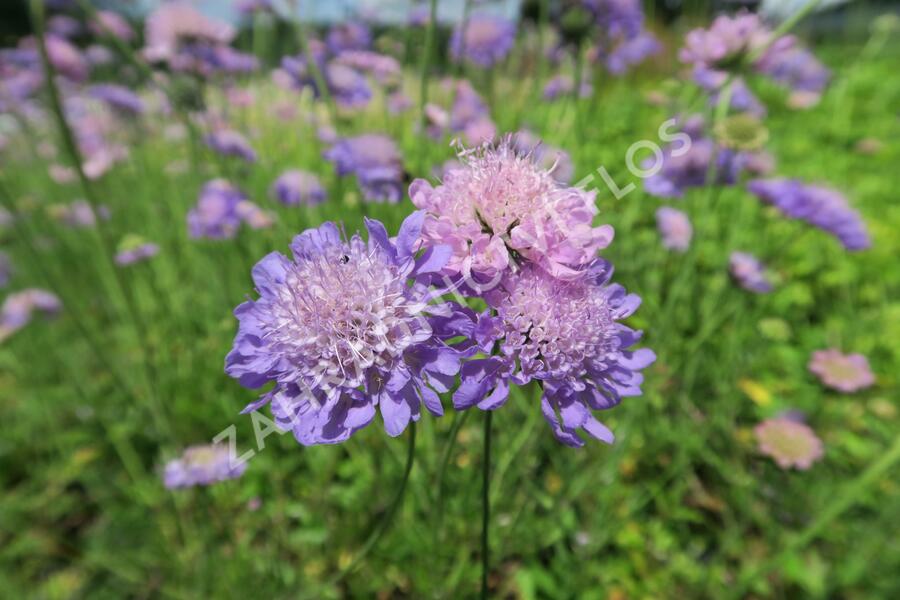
(844, 372)
(789, 442)
(500, 204)
(675, 228)
(175, 23)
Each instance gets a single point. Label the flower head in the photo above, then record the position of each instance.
(675, 228)
(112, 23)
(350, 35)
(220, 210)
(789, 442)
(298, 187)
(821, 207)
(202, 465)
(567, 336)
(228, 142)
(346, 326)
(19, 307)
(376, 162)
(133, 249)
(119, 98)
(749, 273)
(485, 41)
(173, 25)
(500, 204)
(847, 373)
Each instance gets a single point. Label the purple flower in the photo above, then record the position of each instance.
(675, 228)
(486, 41)
(468, 107)
(749, 273)
(347, 85)
(348, 36)
(562, 85)
(231, 143)
(79, 213)
(567, 336)
(346, 326)
(66, 59)
(398, 102)
(64, 26)
(847, 373)
(114, 24)
(134, 249)
(385, 69)
(376, 162)
(790, 443)
(18, 308)
(220, 210)
(175, 24)
(797, 69)
(298, 187)
(119, 98)
(631, 52)
(617, 18)
(499, 203)
(202, 465)
(821, 207)
(727, 42)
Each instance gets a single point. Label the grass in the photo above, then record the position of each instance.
(681, 506)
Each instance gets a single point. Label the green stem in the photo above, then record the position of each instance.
(385, 523)
(318, 77)
(458, 421)
(426, 63)
(486, 504)
(844, 500)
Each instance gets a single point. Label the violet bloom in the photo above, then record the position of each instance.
(468, 107)
(563, 85)
(345, 326)
(632, 52)
(119, 98)
(64, 26)
(501, 204)
(376, 162)
(221, 209)
(486, 41)
(114, 24)
(348, 36)
(385, 69)
(726, 44)
(134, 249)
(821, 207)
(797, 69)
(231, 143)
(567, 336)
(202, 465)
(675, 228)
(846, 373)
(295, 187)
(348, 86)
(173, 25)
(18, 309)
(617, 18)
(398, 102)
(789, 443)
(66, 59)
(749, 273)
(79, 214)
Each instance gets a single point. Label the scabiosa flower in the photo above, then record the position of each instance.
(119, 98)
(346, 326)
(202, 465)
(728, 42)
(398, 102)
(18, 308)
(350, 35)
(78, 214)
(385, 69)
(675, 228)
(749, 273)
(821, 207)
(487, 40)
(618, 18)
(500, 205)
(789, 443)
(228, 142)
(298, 187)
(66, 59)
(133, 249)
(173, 25)
(847, 373)
(632, 52)
(220, 210)
(376, 162)
(567, 336)
(796, 68)
(562, 85)
(112, 23)
(347, 85)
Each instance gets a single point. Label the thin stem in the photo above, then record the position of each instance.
(486, 504)
(458, 420)
(313, 65)
(385, 523)
(426, 63)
